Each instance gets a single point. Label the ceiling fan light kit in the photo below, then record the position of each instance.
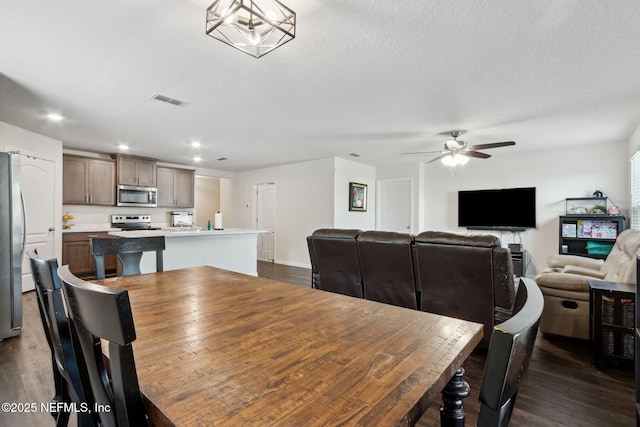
(454, 160)
(255, 27)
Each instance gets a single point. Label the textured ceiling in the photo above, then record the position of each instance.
(372, 77)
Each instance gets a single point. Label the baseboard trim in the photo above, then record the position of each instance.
(293, 264)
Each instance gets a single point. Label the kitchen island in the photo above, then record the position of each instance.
(229, 249)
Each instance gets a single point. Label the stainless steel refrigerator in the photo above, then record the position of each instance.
(11, 246)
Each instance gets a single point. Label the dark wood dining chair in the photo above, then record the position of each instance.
(98, 313)
(129, 251)
(66, 377)
(508, 356)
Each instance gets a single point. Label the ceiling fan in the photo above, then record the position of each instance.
(458, 152)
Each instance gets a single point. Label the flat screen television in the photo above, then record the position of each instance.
(509, 209)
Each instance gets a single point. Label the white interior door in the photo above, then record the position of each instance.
(266, 220)
(37, 179)
(395, 205)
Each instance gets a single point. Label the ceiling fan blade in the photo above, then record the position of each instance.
(478, 154)
(492, 145)
(426, 152)
(439, 157)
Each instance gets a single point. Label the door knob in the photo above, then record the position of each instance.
(52, 229)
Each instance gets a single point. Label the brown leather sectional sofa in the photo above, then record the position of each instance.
(463, 275)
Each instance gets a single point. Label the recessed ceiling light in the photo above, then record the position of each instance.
(54, 117)
(123, 146)
(196, 159)
(221, 159)
(354, 155)
(195, 144)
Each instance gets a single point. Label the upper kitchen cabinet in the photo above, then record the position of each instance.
(88, 181)
(175, 187)
(137, 171)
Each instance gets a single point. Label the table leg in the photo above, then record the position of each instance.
(452, 411)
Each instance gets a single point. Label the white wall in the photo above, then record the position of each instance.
(309, 195)
(634, 142)
(347, 171)
(226, 197)
(12, 138)
(304, 202)
(557, 174)
(206, 200)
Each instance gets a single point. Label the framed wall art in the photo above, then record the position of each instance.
(357, 197)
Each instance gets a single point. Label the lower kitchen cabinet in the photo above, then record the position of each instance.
(77, 254)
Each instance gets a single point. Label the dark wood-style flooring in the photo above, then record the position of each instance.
(562, 388)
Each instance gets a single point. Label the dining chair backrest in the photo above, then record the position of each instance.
(98, 313)
(68, 387)
(508, 356)
(129, 251)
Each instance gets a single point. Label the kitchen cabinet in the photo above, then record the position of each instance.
(77, 254)
(138, 171)
(175, 187)
(88, 181)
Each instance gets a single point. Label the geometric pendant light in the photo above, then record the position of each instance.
(255, 27)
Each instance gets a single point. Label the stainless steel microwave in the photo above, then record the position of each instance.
(129, 195)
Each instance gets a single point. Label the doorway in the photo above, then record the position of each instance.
(266, 220)
(206, 200)
(395, 205)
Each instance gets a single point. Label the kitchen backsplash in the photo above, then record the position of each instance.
(99, 217)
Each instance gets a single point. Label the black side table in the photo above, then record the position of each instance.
(612, 323)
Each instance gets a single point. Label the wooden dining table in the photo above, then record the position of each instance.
(218, 348)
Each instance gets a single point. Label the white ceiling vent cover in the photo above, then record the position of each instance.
(169, 100)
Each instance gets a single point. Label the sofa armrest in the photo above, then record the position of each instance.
(564, 281)
(574, 269)
(561, 261)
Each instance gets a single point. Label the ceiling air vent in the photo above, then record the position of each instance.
(169, 100)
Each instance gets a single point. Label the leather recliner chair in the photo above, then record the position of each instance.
(566, 290)
(334, 255)
(464, 275)
(387, 267)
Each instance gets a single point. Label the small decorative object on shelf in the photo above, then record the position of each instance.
(66, 217)
(586, 205)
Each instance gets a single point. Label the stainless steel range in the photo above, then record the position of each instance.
(132, 222)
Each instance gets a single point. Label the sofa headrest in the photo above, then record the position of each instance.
(336, 233)
(385, 237)
(620, 265)
(465, 239)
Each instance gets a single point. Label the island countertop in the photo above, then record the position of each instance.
(172, 232)
(233, 249)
